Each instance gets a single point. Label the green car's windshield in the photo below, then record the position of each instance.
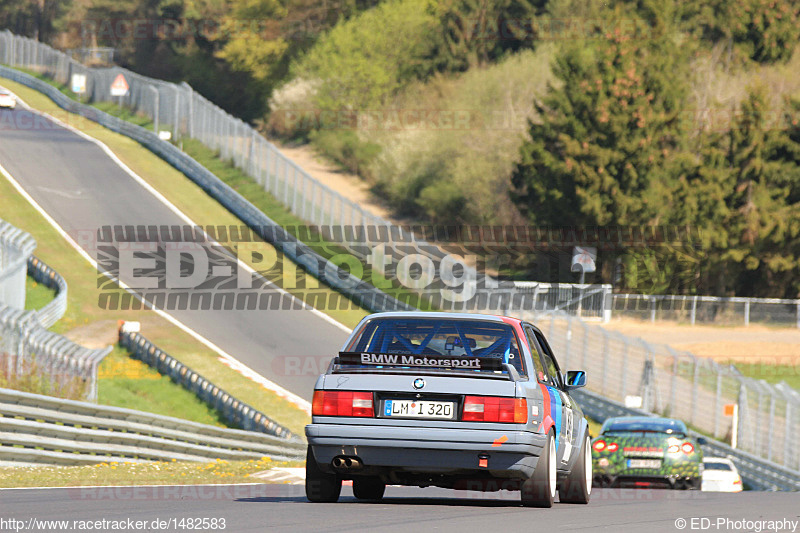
(638, 425)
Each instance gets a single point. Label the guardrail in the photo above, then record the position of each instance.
(757, 472)
(55, 308)
(233, 410)
(677, 383)
(292, 192)
(25, 344)
(360, 291)
(42, 429)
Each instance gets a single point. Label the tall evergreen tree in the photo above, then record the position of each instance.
(601, 150)
(764, 219)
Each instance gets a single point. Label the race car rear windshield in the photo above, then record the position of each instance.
(670, 427)
(713, 465)
(445, 337)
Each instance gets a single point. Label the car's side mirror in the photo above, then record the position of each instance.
(575, 379)
(702, 441)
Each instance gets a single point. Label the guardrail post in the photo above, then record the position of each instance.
(177, 113)
(285, 182)
(313, 195)
(294, 190)
(694, 310)
(625, 369)
(787, 432)
(653, 309)
(757, 431)
(585, 344)
(695, 385)
(673, 393)
(771, 426)
(747, 312)
(568, 341)
(605, 361)
(717, 404)
(798, 314)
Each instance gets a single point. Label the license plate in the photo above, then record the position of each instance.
(644, 463)
(418, 409)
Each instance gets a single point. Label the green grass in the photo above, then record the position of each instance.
(129, 474)
(771, 373)
(135, 385)
(37, 295)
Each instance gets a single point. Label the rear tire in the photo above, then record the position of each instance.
(540, 489)
(577, 486)
(368, 488)
(320, 487)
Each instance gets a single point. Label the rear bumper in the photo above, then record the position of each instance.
(509, 454)
(644, 481)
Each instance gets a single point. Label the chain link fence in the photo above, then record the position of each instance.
(30, 355)
(16, 246)
(659, 379)
(733, 311)
(177, 108)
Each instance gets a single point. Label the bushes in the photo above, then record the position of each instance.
(365, 60)
(455, 167)
(347, 149)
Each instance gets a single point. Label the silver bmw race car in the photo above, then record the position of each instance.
(462, 401)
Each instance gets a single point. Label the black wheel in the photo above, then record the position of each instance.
(540, 489)
(320, 487)
(577, 486)
(368, 488)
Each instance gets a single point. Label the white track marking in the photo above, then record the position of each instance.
(74, 487)
(234, 363)
(230, 361)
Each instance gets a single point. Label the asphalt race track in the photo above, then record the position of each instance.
(83, 189)
(80, 187)
(284, 508)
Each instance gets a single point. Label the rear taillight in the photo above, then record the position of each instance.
(612, 447)
(599, 445)
(342, 403)
(495, 409)
(687, 448)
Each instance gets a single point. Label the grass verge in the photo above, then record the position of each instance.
(771, 373)
(37, 295)
(156, 473)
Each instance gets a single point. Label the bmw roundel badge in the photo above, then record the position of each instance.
(419, 383)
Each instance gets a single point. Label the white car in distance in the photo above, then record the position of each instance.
(7, 100)
(720, 475)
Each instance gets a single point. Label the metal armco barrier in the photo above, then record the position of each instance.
(757, 472)
(55, 309)
(363, 293)
(43, 429)
(233, 410)
(692, 388)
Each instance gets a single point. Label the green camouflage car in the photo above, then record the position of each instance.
(646, 452)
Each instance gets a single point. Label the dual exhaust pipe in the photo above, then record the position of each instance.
(345, 462)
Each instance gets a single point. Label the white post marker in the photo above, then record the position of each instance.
(732, 409)
(583, 261)
(78, 83)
